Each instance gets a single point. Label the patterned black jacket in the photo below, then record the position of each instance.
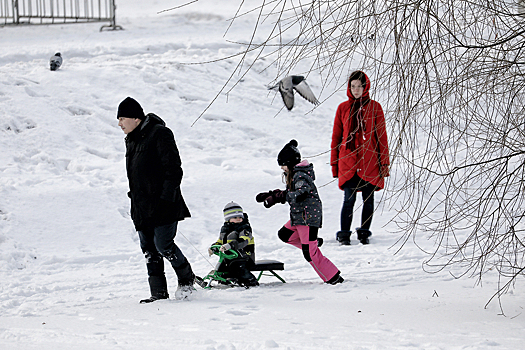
(305, 205)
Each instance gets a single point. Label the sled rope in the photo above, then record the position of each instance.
(178, 231)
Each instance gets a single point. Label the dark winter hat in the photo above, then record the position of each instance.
(130, 108)
(232, 210)
(289, 155)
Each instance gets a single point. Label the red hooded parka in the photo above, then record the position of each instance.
(360, 147)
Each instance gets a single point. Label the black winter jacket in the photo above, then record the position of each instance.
(154, 172)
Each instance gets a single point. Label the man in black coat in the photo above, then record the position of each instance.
(154, 172)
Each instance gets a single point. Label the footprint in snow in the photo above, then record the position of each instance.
(124, 212)
(304, 299)
(33, 93)
(213, 161)
(97, 153)
(238, 312)
(17, 126)
(238, 326)
(75, 110)
(216, 118)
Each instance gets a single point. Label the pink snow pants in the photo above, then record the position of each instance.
(300, 236)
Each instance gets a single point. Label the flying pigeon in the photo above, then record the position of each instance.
(288, 84)
(56, 61)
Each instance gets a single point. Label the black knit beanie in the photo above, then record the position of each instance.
(289, 155)
(130, 108)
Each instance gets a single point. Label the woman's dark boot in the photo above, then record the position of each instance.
(363, 234)
(343, 237)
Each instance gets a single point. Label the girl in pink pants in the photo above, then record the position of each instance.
(305, 211)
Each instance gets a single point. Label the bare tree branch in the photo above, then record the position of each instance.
(450, 76)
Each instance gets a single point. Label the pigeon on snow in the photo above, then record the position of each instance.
(288, 84)
(56, 61)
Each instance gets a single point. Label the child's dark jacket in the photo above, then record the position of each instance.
(239, 236)
(305, 205)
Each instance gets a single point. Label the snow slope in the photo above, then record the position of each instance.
(71, 270)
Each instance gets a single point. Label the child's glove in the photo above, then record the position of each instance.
(276, 196)
(225, 247)
(262, 196)
(210, 252)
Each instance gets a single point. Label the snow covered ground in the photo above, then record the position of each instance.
(71, 270)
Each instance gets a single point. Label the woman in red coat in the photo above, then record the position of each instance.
(359, 155)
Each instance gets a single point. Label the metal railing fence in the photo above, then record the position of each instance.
(16, 12)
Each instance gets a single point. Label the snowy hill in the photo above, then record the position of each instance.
(71, 270)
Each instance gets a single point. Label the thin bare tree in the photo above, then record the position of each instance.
(450, 78)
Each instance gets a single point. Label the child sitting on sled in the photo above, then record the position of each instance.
(236, 234)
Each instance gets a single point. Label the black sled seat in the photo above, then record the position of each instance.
(268, 265)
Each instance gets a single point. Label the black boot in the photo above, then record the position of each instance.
(336, 279)
(245, 278)
(320, 242)
(363, 234)
(343, 237)
(185, 274)
(186, 279)
(158, 288)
